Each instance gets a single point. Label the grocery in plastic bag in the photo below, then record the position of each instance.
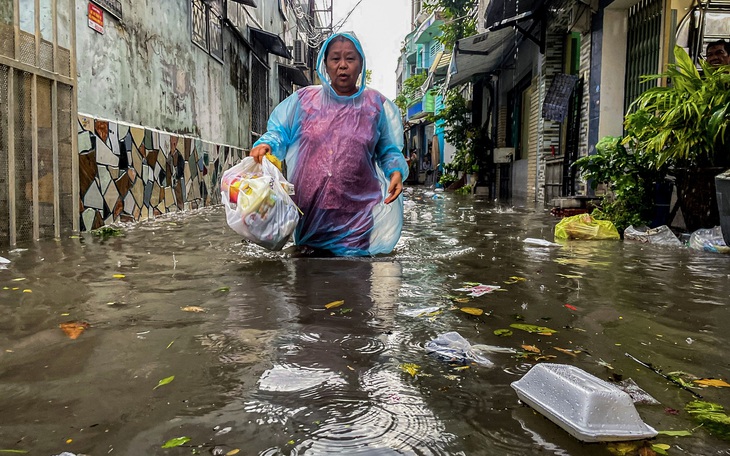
(583, 226)
(257, 202)
(660, 235)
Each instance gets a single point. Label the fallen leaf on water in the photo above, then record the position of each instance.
(170, 344)
(119, 276)
(658, 448)
(334, 304)
(533, 329)
(73, 329)
(27, 290)
(571, 307)
(671, 411)
(676, 433)
(232, 452)
(472, 310)
(69, 440)
(514, 279)
(176, 442)
(164, 381)
(712, 382)
(567, 352)
(623, 448)
(14, 451)
(19, 279)
(290, 442)
(604, 364)
(461, 300)
(531, 348)
(351, 368)
(461, 368)
(502, 332)
(223, 289)
(410, 368)
(192, 309)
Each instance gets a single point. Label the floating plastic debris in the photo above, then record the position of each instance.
(587, 407)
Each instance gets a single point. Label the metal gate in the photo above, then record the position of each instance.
(643, 47)
(38, 164)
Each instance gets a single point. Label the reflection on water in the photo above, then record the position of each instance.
(268, 368)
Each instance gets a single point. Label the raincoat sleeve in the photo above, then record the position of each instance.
(281, 127)
(388, 150)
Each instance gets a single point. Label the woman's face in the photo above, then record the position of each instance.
(343, 66)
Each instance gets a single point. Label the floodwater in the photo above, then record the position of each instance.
(269, 370)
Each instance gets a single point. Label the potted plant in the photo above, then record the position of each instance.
(684, 125)
(633, 181)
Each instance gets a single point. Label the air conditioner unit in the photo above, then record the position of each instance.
(300, 53)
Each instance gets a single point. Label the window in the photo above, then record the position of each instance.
(207, 31)
(259, 98)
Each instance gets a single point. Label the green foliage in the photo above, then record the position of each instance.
(685, 123)
(409, 92)
(465, 190)
(471, 142)
(459, 19)
(711, 416)
(368, 77)
(630, 177)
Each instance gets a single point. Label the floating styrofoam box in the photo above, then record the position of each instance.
(587, 407)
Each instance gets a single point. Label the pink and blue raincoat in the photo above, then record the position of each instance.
(340, 152)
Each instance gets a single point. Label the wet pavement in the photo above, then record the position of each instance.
(261, 363)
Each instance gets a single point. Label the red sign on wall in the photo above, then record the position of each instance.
(96, 18)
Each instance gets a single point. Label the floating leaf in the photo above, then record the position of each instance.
(567, 352)
(14, 451)
(410, 368)
(461, 300)
(514, 279)
(233, 451)
(502, 332)
(623, 448)
(223, 289)
(73, 329)
(334, 304)
(660, 448)
(461, 368)
(571, 276)
(712, 417)
(533, 329)
(176, 442)
(170, 344)
(345, 310)
(712, 382)
(27, 290)
(119, 276)
(676, 433)
(472, 310)
(164, 381)
(192, 309)
(531, 348)
(571, 307)
(19, 279)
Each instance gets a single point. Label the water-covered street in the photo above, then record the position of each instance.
(176, 328)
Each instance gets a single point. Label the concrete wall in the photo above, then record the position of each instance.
(146, 70)
(613, 75)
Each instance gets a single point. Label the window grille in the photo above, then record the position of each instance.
(642, 47)
(259, 97)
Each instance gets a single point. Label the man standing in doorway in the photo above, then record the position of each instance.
(718, 53)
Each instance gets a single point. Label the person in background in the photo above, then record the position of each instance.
(342, 143)
(718, 53)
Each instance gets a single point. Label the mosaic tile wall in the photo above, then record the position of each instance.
(130, 173)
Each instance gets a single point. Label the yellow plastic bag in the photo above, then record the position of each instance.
(583, 226)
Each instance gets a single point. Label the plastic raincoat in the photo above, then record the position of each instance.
(340, 153)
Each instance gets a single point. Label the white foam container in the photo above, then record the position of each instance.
(587, 407)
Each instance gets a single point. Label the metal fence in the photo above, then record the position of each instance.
(38, 164)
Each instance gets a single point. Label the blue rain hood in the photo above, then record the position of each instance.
(322, 69)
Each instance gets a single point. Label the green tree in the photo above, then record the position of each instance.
(410, 91)
(459, 19)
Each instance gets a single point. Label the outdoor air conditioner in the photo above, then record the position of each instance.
(300, 53)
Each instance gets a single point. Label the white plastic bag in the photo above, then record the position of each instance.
(660, 235)
(257, 202)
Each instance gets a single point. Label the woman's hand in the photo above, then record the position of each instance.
(395, 188)
(259, 151)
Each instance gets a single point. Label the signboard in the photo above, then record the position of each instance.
(96, 18)
(113, 7)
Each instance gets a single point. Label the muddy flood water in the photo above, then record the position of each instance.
(263, 365)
